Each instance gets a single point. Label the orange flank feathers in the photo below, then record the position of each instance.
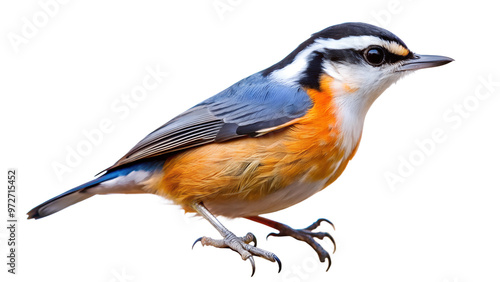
(308, 150)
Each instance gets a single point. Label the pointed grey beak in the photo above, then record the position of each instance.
(424, 61)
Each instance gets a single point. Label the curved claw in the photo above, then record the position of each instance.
(318, 222)
(197, 240)
(279, 262)
(250, 238)
(333, 241)
(327, 221)
(254, 241)
(252, 261)
(272, 234)
(329, 262)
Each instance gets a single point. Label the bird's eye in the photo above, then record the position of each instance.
(374, 56)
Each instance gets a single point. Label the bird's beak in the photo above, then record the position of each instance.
(424, 61)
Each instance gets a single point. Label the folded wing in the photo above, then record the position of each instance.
(248, 108)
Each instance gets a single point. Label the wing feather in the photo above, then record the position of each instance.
(251, 107)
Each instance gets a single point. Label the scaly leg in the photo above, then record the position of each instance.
(307, 235)
(238, 244)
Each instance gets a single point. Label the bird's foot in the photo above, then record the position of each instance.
(307, 235)
(242, 246)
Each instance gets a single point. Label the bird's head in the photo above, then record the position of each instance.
(362, 60)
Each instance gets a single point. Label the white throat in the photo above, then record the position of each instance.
(352, 107)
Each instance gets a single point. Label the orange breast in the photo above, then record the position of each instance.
(250, 168)
(316, 139)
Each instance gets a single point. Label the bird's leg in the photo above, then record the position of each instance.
(307, 235)
(240, 245)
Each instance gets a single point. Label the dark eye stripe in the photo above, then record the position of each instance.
(352, 56)
(393, 58)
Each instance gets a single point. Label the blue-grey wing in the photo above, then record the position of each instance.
(251, 105)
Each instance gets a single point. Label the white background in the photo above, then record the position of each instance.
(441, 224)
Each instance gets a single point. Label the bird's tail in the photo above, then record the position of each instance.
(68, 198)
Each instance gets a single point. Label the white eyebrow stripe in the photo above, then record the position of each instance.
(362, 42)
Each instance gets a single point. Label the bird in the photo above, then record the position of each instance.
(267, 142)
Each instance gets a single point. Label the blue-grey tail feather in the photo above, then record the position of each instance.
(69, 197)
(81, 192)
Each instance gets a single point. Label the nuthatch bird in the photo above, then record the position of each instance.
(267, 142)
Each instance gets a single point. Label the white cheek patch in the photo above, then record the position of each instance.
(349, 78)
